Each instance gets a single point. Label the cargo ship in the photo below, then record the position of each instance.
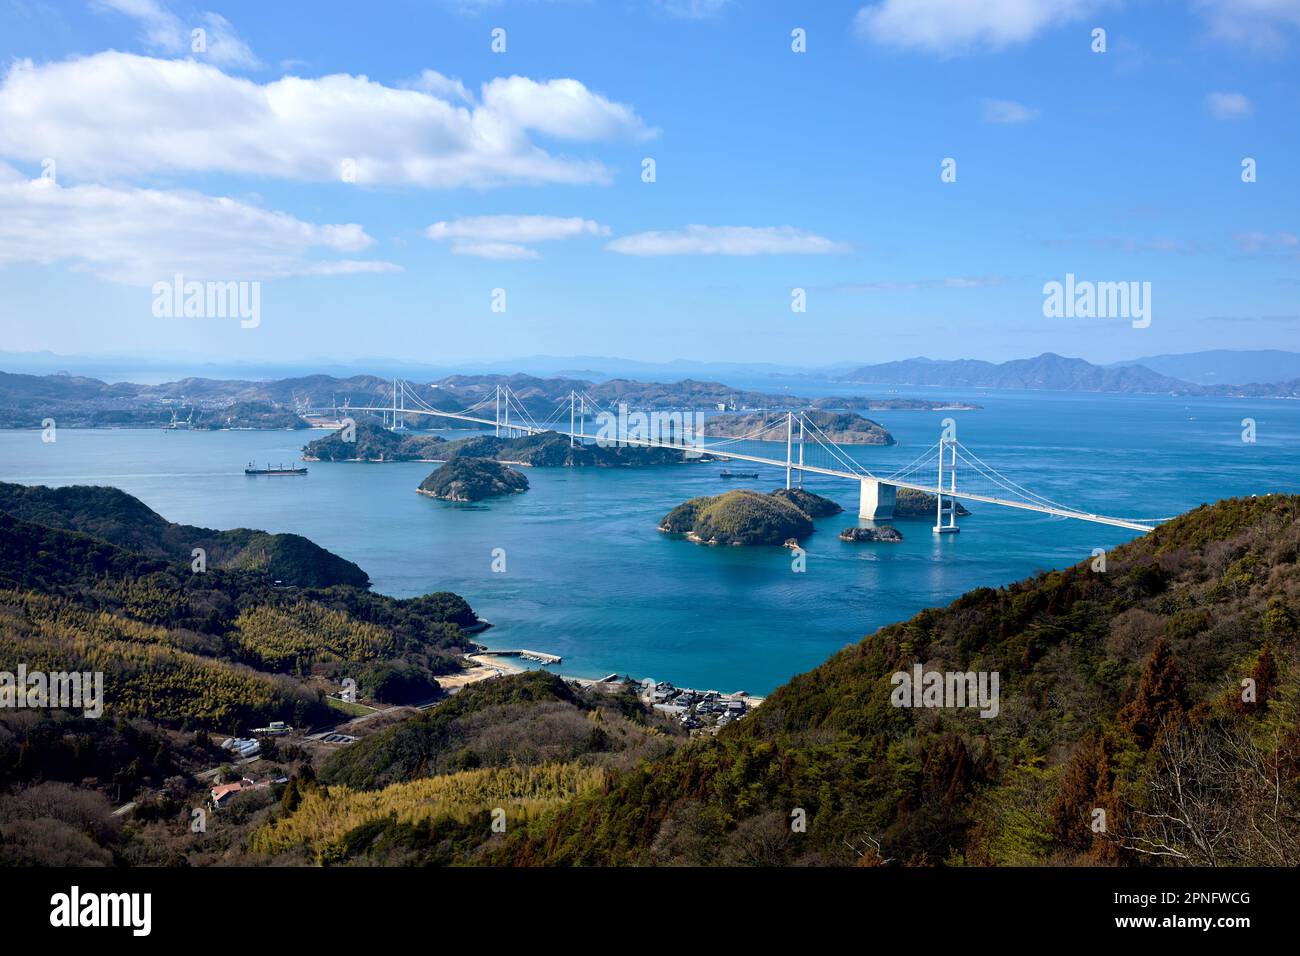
(252, 469)
(737, 474)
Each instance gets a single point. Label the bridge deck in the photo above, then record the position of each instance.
(794, 465)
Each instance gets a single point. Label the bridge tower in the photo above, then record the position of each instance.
(399, 405)
(789, 447)
(801, 451)
(946, 446)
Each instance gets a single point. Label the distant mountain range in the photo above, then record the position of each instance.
(286, 402)
(1052, 372)
(154, 369)
(1225, 366)
(26, 401)
(1214, 367)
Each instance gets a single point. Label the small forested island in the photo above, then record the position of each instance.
(374, 442)
(894, 405)
(883, 533)
(472, 479)
(910, 503)
(846, 428)
(745, 518)
(552, 450)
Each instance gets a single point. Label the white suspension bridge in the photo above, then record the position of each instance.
(947, 470)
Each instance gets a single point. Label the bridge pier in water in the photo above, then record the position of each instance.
(876, 500)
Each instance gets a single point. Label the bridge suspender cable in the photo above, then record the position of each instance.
(404, 401)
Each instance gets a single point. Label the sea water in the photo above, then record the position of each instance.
(587, 575)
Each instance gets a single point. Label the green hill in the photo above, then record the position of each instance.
(116, 517)
(738, 518)
(69, 596)
(522, 719)
(525, 742)
(472, 479)
(254, 414)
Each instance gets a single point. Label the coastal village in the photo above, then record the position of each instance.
(700, 712)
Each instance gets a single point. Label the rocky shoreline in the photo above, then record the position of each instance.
(883, 533)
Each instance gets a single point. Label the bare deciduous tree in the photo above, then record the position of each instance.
(1215, 798)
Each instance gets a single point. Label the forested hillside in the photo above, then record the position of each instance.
(114, 516)
(219, 648)
(1146, 715)
(1121, 692)
(424, 791)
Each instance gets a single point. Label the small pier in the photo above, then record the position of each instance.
(537, 657)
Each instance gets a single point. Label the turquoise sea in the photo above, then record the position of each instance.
(589, 577)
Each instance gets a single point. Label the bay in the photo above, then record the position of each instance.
(589, 577)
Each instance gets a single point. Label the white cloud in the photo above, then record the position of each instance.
(1285, 245)
(1229, 106)
(494, 250)
(696, 240)
(1165, 245)
(516, 228)
(1257, 25)
(160, 29)
(224, 47)
(972, 282)
(913, 285)
(564, 109)
(443, 87)
(471, 7)
(117, 115)
(965, 26)
(139, 236)
(504, 237)
(693, 9)
(961, 26)
(1008, 112)
(164, 32)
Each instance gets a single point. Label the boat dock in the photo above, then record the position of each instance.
(536, 656)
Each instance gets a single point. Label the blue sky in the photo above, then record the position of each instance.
(775, 170)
